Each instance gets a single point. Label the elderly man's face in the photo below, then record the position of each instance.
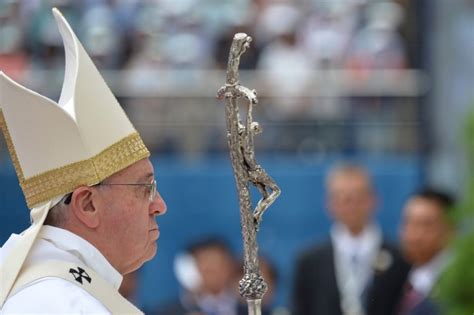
(129, 217)
(425, 230)
(351, 200)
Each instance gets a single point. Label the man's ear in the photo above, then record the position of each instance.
(83, 206)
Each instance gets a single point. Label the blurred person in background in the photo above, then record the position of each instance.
(206, 272)
(102, 33)
(284, 64)
(426, 233)
(378, 45)
(13, 58)
(284, 71)
(344, 274)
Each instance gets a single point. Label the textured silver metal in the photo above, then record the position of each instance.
(255, 307)
(240, 137)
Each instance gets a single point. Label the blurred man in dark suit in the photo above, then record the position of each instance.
(206, 272)
(425, 237)
(356, 271)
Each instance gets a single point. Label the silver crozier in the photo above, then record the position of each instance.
(240, 137)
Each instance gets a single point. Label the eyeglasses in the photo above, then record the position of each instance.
(152, 191)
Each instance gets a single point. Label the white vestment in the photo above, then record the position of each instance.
(52, 295)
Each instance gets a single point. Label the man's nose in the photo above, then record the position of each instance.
(158, 205)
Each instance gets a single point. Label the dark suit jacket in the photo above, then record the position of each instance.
(315, 290)
(426, 307)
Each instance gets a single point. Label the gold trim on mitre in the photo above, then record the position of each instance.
(63, 180)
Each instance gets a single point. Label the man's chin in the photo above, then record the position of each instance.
(151, 252)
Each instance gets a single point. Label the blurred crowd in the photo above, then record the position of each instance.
(293, 42)
(355, 34)
(357, 270)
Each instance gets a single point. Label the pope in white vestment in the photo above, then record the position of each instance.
(90, 187)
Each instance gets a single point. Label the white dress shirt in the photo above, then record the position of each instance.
(424, 277)
(354, 256)
(52, 295)
(224, 303)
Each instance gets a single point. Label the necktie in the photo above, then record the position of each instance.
(410, 299)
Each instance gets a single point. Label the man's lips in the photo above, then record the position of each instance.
(155, 230)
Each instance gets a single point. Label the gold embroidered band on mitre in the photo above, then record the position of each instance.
(63, 180)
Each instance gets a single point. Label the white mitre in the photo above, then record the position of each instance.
(57, 147)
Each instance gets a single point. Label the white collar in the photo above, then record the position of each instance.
(84, 251)
(224, 302)
(423, 278)
(367, 242)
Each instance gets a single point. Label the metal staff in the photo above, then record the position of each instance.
(240, 137)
